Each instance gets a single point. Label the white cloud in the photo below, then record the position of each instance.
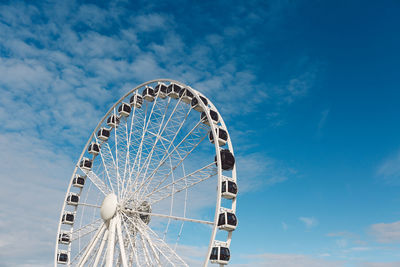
(389, 170)
(386, 232)
(259, 171)
(379, 264)
(34, 180)
(309, 222)
(322, 121)
(288, 260)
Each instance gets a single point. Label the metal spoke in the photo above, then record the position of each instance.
(187, 144)
(170, 217)
(97, 181)
(87, 229)
(91, 245)
(111, 243)
(181, 184)
(89, 205)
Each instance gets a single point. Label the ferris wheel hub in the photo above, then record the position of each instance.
(109, 207)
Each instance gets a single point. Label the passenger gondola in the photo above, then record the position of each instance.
(196, 105)
(64, 238)
(136, 101)
(220, 255)
(103, 134)
(222, 136)
(124, 109)
(78, 181)
(73, 199)
(94, 148)
(214, 117)
(86, 164)
(62, 257)
(113, 121)
(229, 189)
(227, 221)
(161, 90)
(68, 218)
(173, 90)
(148, 94)
(186, 96)
(227, 159)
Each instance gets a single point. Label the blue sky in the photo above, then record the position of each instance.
(309, 91)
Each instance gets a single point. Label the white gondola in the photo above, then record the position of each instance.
(220, 255)
(227, 220)
(103, 134)
(214, 117)
(73, 199)
(62, 257)
(94, 148)
(113, 121)
(68, 218)
(124, 109)
(64, 238)
(229, 189)
(86, 164)
(173, 90)
(161, 90)
(196, 105)
(148, 94)
(222, 136)
(136, 101)
(78, 181)
(227, 159)
(186, 96)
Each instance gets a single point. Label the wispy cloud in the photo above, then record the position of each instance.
(261, 171)
(386, 232)
(389, 170)
(322, 121)
(288, 260)
(309, 222)
(379, 264)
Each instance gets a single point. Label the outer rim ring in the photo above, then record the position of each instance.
(197, 95)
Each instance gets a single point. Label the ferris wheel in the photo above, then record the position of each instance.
(155, 184)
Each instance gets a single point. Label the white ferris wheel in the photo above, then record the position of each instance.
(155, 184)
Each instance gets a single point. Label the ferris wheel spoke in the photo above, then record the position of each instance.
(190, 180)
(101, 248)
(168, 253)
(138, 158)
(121, 242)
(136, 133)
(89, 205)
(146, 252)
(111, 243)
(170, 130)
(119, 149)
(158, 128)
(129, 148)
(131, 242)
(91, 245)
(187, 145)
(177, 218)
(87, 229)
(97, 182)
(109, 163)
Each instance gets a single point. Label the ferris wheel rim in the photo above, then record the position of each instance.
(217, 149)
